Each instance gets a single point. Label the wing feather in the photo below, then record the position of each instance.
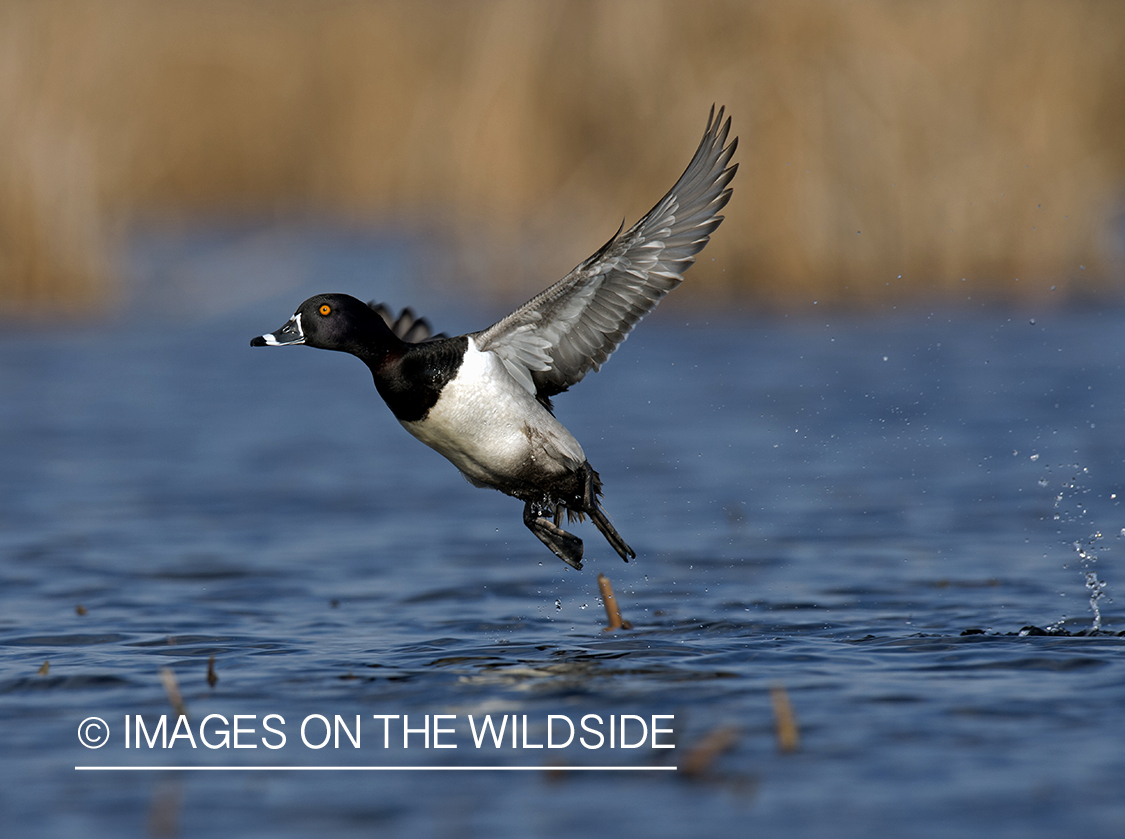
(407, 326)
(557, 337)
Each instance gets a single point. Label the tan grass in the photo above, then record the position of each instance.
(936, 141)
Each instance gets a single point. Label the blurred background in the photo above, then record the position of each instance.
(891, 152)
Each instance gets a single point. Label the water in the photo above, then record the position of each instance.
(860, 510)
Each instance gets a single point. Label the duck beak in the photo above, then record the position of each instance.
(289, 334)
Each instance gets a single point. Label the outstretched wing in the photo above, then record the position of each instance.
(555, 338)
(407, 326)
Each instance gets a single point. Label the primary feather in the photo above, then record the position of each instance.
(558, 336)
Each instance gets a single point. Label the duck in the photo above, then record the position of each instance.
(483, 400)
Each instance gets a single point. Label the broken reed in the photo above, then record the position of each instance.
(172, 689)
(890, 150)
(785, 721)
(700, 757)
(612, 610)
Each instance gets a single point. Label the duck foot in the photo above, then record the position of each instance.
(590, 500)
(566, 546)
(611, 535)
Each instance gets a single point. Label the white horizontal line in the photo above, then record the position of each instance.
(376, 768)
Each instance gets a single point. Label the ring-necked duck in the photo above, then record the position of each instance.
(483, 400)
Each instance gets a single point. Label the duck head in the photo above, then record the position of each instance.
(331, 322)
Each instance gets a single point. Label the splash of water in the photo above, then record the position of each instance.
(1088, 552)
(1096, 588)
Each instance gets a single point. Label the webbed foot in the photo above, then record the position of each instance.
(566, 546)
(611, 535)
(590, 499)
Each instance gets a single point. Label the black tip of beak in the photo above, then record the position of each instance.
(258, 341)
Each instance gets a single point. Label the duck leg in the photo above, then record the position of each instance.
(565, 546)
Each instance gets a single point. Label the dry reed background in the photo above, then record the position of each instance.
(936, 141)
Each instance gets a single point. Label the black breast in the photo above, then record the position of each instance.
(411, 382)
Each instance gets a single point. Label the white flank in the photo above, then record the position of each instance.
(492, 429)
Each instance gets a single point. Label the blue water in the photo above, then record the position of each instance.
(825, 504)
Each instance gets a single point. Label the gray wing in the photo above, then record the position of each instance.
(554, 339)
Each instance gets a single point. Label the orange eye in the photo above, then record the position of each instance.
(326, 309)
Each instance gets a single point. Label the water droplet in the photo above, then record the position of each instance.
(1035, 457)
(558, 605)
(1096, 588)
